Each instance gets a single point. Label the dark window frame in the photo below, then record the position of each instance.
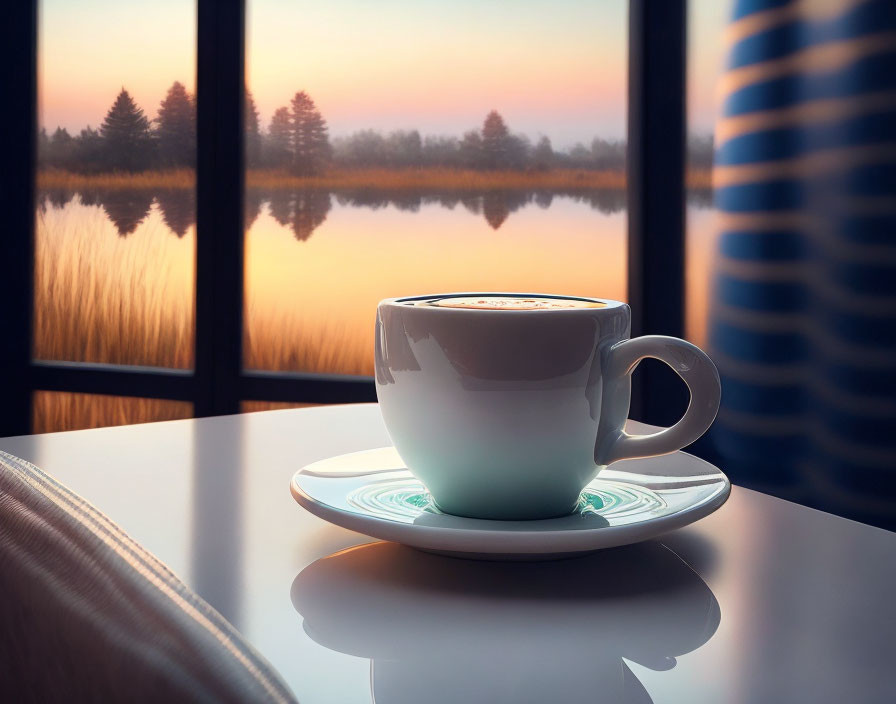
(218, 383)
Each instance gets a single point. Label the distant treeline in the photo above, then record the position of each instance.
(297, 139)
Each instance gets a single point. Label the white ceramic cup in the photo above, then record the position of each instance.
(508, 414)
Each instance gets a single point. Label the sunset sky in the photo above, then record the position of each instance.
(556, 68)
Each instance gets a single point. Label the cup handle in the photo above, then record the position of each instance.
(696, 370)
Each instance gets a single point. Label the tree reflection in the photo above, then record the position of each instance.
(251, 207)
(178, 207)
(126, 208)
(310, 211)
(305, 210)
(280, 206)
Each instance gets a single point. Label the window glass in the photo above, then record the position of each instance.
(115, 217)
(706, 25)
(55, 411)
(115, 214)
(401, 148)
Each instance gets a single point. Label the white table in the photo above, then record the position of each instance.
(776, 602)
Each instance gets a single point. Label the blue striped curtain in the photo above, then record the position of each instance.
(803, 316)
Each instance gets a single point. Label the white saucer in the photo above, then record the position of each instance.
(373, 493)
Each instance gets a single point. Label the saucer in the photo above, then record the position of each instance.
(372, 492)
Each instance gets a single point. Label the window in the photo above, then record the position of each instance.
(317, 255)
(114, 237)
(706, 26)
(442, 155)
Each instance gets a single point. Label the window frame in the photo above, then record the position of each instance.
(218, 383)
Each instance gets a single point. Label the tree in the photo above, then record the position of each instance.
(518, 152)
(176, 127)
(310, 141)
(440, 151)
(580, 156)
(363, 148)
(253, 131)
(127, 140)
(404, 148)
(543, 156)
(89, 150)
(43, 146)
(279, 142)
(470, 150)
(495, 141)
(608, 155)
(61, 149)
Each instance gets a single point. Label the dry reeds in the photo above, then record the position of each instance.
(55, 411)
(427, 179)
(171, 178)
(437, 179)
(99, 297)
(285, 342)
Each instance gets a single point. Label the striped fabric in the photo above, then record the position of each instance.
(86, 614)
(803, 322)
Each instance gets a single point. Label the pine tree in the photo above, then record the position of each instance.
(128, 143)
(279, 142)
(311, 144)
(253, 131)
(176, 131)
(495, 141)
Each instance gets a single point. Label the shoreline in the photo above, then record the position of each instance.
(423, 179)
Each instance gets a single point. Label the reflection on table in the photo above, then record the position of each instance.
(439, 629)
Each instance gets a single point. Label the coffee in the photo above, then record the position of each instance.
(512, 303)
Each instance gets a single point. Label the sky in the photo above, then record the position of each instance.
(550, 67)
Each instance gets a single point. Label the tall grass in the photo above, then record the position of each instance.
(294, 342)
(55, 411)
(103, 298)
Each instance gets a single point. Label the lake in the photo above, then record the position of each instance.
(115, 270)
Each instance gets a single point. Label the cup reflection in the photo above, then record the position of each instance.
(438, 629)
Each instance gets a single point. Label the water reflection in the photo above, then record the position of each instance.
(126, 208)
(446, 630)
(303, 211)
(178, 206)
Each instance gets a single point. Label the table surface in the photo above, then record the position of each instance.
(764, 601)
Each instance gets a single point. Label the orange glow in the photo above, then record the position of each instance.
(311, 305)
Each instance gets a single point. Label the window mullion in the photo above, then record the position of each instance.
(656, 195)
(219, 205)
(18, 127)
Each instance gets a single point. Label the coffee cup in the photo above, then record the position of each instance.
(507, 405)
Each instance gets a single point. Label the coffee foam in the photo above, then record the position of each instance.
(512, 303)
